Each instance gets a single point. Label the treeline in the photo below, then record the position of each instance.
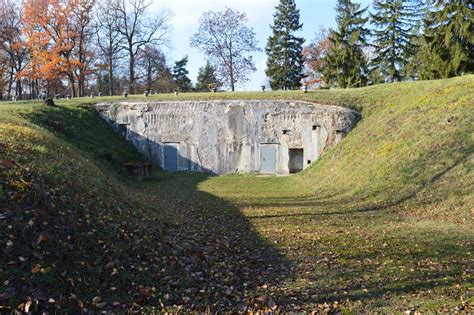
(395, 40)
(75, 46)
(78, 47)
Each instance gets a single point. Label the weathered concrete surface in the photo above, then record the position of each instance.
(228, 136)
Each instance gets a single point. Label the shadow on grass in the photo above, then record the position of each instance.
(367, 205)
(436, 265)
(211, 256)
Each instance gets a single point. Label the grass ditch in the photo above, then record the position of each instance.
(382, 222)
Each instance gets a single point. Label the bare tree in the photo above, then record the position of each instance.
(108, 38)
(151, 63)
(81, 19)
(14, 53)
(227, 42)
(138, 28)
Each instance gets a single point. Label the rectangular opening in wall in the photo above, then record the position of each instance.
(339, 135)
(286, 131)
(295, 163)
(170, 156)
(122, 129)
(315, 127)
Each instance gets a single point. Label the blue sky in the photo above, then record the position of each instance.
(259, 12)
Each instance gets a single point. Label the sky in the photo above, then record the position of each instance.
(185, 22)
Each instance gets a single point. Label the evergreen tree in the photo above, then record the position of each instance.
(448, 39)
(395, 22)
(346, 62)
(180, 75)
(207, 77)
(285, 60)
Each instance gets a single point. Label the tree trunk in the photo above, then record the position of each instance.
(19, 89)
(71, 86)
(32, 89)
(149, 78)
(132, 74)
(111, 76)
(81, 81)
(232, 82)
(231, 71)
(18, 80)
(10, 84)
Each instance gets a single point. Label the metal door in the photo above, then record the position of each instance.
(170, 158)
(268, 159)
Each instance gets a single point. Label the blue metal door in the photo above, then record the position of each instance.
(268, 159)
(170, 153)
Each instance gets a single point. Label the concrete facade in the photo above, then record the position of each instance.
(230, 136)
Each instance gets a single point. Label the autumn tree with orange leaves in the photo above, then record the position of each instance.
(56, 37)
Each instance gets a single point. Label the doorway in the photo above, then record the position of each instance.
(296, 160)
(170, 156)
(268, 159)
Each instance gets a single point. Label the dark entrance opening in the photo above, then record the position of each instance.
(296, 160)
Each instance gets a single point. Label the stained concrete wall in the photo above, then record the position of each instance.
(226, 136)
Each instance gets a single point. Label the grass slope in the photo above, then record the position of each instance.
(383, 222)
(386, 218)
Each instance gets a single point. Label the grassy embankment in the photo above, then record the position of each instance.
(381, 222)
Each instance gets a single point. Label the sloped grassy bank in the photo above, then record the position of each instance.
(382, 222)
(414, 137)
(78, 234)
(385, 220)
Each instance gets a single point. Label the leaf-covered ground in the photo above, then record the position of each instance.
(384, 222)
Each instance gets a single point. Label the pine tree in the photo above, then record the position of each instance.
(395, 22)
(207, 77)
(284, 49)
(346, 62)
(413, 62)
(449, 40)
(180, 75)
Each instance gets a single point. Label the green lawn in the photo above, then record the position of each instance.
(383, 222)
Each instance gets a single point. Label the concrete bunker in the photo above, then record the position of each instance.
(265, 136)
